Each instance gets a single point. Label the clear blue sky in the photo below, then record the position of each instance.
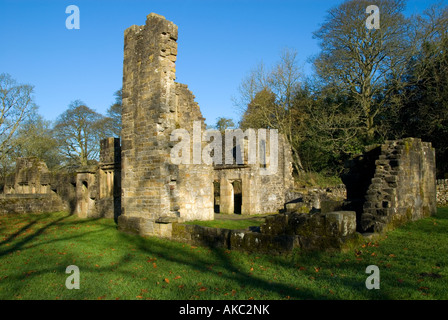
(219, 42)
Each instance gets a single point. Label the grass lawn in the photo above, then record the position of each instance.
(230, 224)
(36, 249)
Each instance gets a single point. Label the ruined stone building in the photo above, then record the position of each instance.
(154, 190)
(137, 182)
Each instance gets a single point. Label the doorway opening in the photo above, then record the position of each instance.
(237, 196)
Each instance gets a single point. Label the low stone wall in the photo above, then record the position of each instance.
(31, 203)
(279, 234)
(323, 199)
(242, 240)
(442, 192)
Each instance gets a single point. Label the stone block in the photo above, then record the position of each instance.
(341, 223)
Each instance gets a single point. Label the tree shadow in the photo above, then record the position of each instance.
(29, 238)
(182, 254)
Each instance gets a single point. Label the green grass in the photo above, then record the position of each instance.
(317, 180)
(237, 224)
(36, 249)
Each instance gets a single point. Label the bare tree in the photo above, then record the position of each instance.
(114, 115)
(79, 130)
(365, 64)
(268, 99)
(34, 138)
(16, 105)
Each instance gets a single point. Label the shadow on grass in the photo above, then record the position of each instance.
(182, 255)
(39, 231)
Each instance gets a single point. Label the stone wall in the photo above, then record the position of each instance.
(391, 184)
(31, 203)
(191, 185)
(305, 200)
(31, 177)
(153, 188)
(260, 193)
(442, 192)
(34, 189)
(280, 234)
(98, 187)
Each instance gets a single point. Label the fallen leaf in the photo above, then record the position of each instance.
(167, 280)
(177, 277)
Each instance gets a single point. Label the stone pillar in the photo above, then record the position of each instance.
(148, 92)
(226, 197)
(153, 188)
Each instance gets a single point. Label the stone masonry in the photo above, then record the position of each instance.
(391, 184)
(31, 177)
(155, 191)
(259, 193)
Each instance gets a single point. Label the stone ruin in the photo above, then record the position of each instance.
(138, 185)
(156, 192)
(98, 187)
(34, 189)
(391, 184)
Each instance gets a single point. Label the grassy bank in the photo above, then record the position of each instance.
(36, 249)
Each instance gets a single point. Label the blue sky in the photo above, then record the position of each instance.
(219, 43)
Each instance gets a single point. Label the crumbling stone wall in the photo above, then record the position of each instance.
(442, 192)
(325, 200)
(391, 184)
(31, 177)
(86, 192)
(98, 187)
(154, 189)
(30, 203)
(261, 193)
(34, 189)
(191, 186)
(280, 234)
